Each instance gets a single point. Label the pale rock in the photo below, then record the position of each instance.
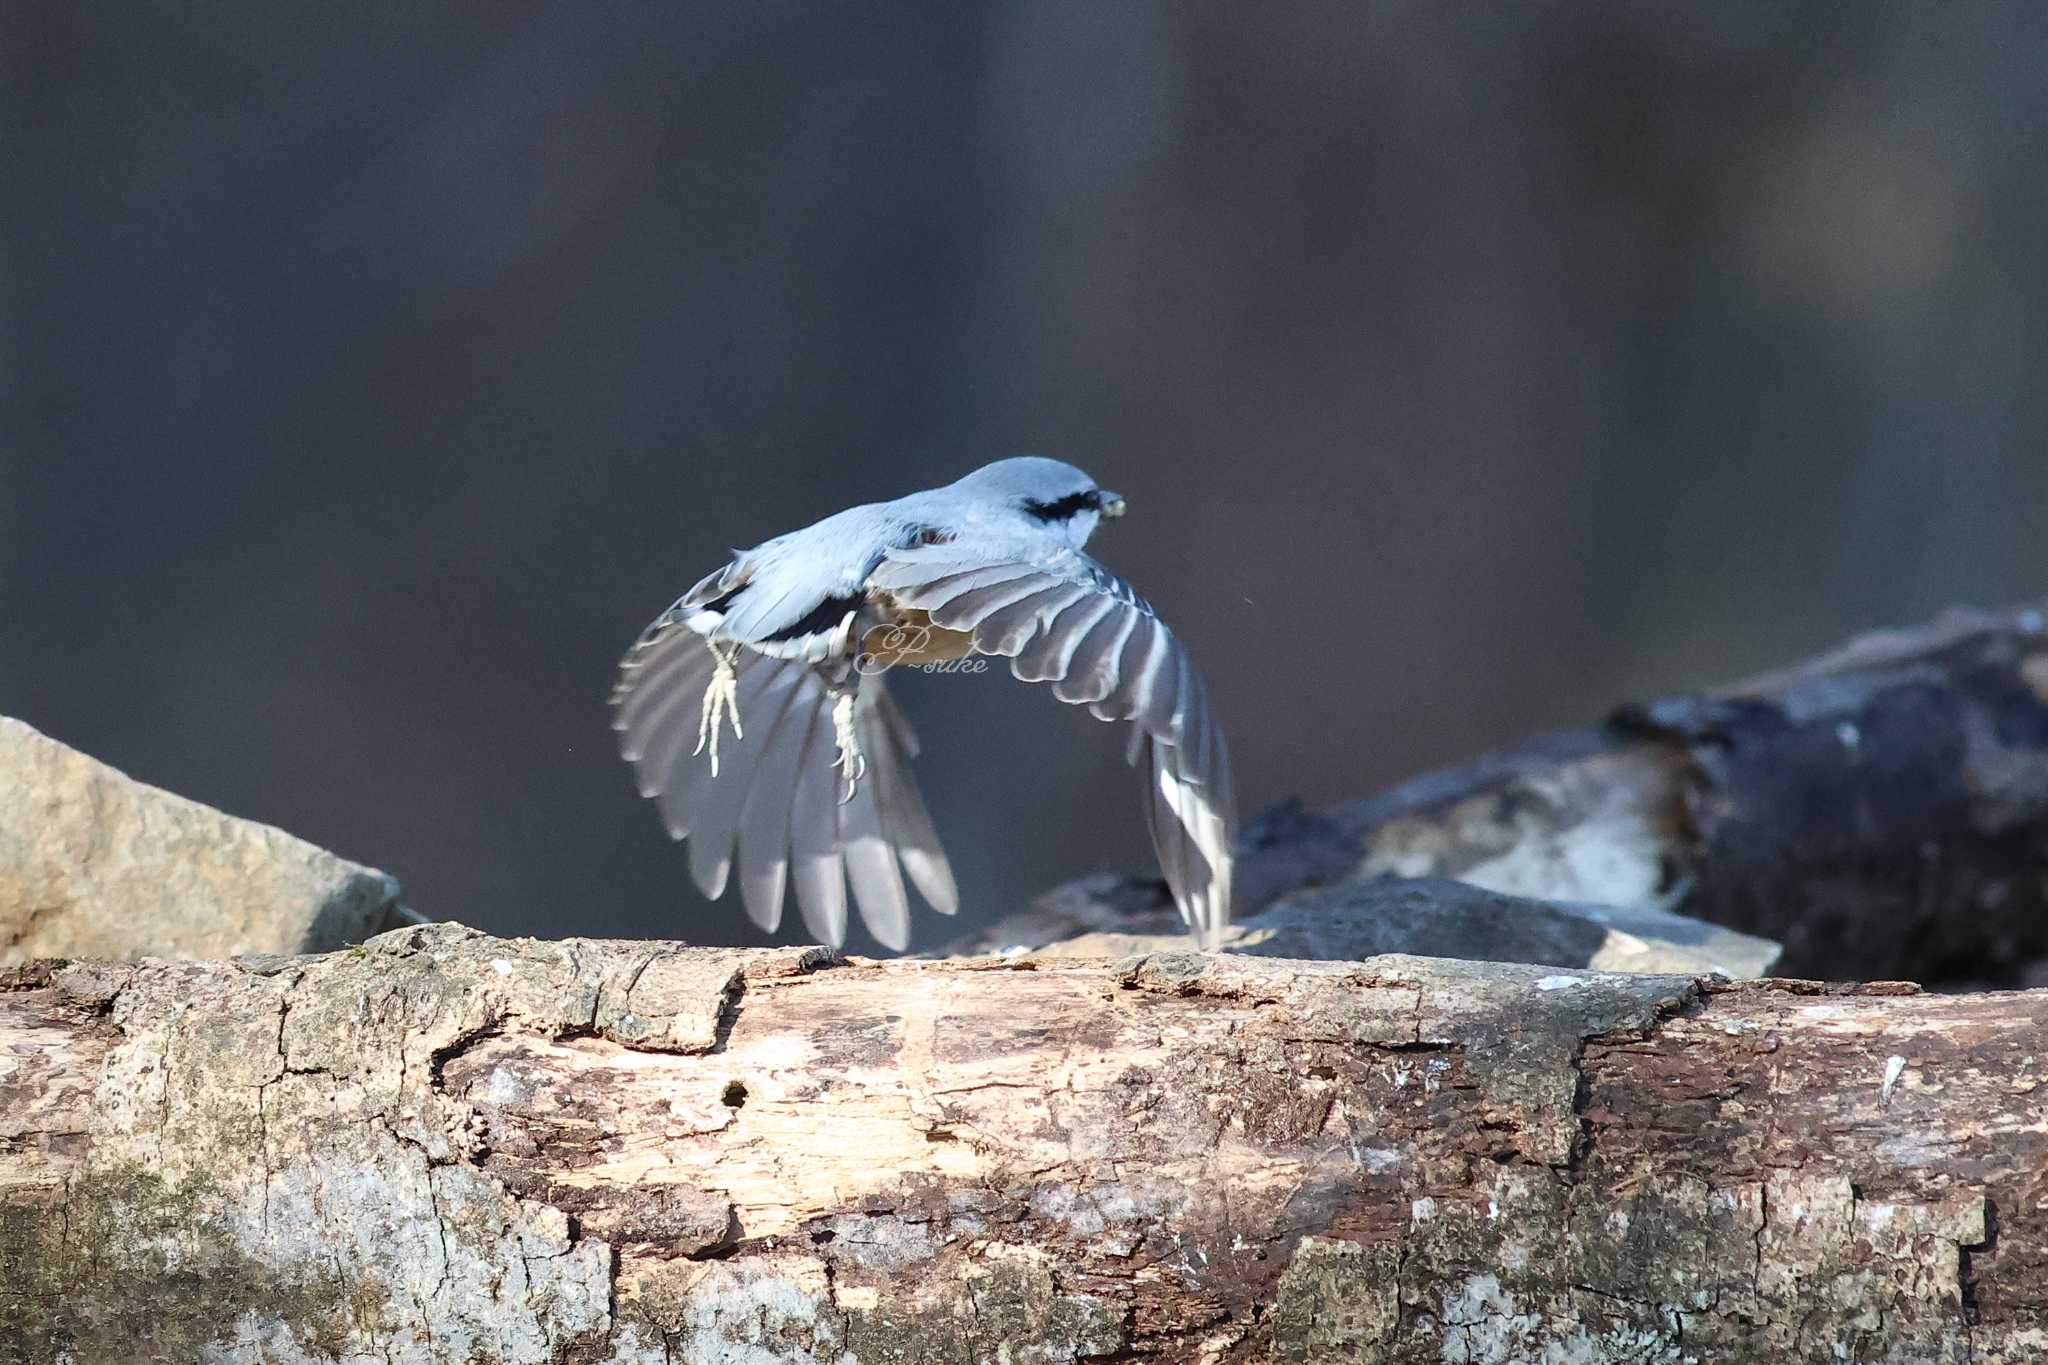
(96, 864)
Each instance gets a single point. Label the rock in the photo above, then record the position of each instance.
(1424, 916)
(1286, 847)
(96, 864)
(1436, 917)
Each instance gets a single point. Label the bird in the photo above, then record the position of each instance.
(787, 647)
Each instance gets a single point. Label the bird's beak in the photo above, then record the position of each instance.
(1112, 505)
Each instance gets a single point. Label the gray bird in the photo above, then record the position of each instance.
(787, 646)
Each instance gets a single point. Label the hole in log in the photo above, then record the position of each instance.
(735, 1094)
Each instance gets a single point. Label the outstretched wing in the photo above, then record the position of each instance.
(1064, 619)
(773, 806)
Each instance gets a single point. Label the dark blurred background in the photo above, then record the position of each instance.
(370, 374)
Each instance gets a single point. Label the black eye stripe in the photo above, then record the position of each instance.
(1065, 507)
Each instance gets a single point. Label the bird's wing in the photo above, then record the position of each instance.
(1062, 618)
(773, 804)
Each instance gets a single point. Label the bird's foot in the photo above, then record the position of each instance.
(721, 701)
(850, 760)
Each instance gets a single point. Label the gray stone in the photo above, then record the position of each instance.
(1424, 916)
(1436, 917)
(96, 864)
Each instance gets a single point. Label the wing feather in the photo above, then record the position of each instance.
(1159, 710)
(870, 857)
(1137, 670)
(659, 739)
(653, 752)
(767, 686)
(815, 862)
(764, 816)
(1066, 620)
(1092, 671)
(1049, 655)
(1008, 628)
(903, 810)
(652, 681)
(967, 610)
(943, 569)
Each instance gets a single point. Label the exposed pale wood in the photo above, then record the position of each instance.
(452, 1147)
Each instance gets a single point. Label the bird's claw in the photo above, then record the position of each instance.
(850, 760)
(721, 701)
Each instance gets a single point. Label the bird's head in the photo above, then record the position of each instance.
(1048, 495)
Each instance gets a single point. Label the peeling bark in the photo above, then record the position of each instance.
(448, 1147)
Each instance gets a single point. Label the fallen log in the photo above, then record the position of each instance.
(1881, 811)
(448, 1147)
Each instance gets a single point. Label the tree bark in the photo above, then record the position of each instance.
(449, 1147)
